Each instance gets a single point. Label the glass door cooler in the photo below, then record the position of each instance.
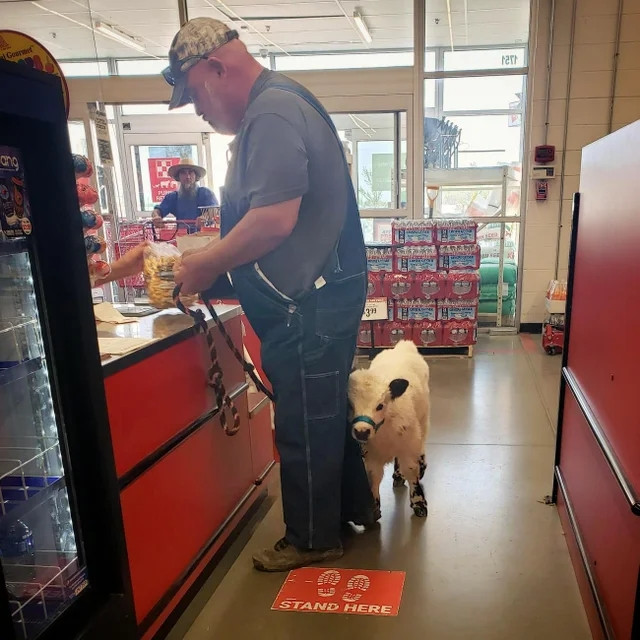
(43, 565)
(63, 565)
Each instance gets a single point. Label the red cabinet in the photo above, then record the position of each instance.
(598, 454)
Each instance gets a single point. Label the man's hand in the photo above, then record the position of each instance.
(194, 273)
(157, 220)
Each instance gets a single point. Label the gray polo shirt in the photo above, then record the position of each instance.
(285, 150)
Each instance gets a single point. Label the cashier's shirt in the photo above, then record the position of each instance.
(285, 150)
(185, 208)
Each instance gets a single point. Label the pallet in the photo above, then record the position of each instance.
(429, 352)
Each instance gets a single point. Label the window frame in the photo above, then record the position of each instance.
(440, 75)
(396, 211)
(274, 57)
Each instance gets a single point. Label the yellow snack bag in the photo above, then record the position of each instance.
(159, 260)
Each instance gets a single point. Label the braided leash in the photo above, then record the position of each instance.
(214, 375)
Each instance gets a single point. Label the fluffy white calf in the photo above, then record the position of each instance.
(390, 418)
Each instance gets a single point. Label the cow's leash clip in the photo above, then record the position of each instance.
(214, 375)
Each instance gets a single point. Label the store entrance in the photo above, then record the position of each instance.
(150, 140)
(147, 160)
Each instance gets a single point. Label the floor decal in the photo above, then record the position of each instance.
(350, 591)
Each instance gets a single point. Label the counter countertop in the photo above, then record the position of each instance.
(164, 329)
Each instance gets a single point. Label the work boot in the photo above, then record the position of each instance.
(285, 557)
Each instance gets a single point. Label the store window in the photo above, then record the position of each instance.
(474, 97)
(85, 69)
(361, 60)
(146, 67)
(140, 67)
(302, 36)
(471, 59)
(78, 137)
(488, 140)
(376, 147)
(78, 143)
(483, 93)
(456, 26)
(154, 109)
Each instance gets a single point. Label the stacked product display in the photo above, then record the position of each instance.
(553, 325)
(91, 221)
(429, 278)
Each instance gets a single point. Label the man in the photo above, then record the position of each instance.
(292, 240)
(185, 202)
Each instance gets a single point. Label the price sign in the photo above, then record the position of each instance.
(375, 309)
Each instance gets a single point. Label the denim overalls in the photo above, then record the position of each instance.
(307, 349)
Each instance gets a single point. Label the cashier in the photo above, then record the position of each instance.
(185, 203)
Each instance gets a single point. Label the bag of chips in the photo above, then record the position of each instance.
(159, 260)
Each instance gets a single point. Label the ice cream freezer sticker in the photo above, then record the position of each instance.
(350, 591)
(15, 215)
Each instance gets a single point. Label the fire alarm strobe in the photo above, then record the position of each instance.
(544, 153)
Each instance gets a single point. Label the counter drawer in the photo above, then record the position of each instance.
(154, 399)
(173, 509)
(609, 530)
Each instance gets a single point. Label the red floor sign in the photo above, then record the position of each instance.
(352, 591)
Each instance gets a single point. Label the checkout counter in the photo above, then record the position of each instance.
(184, 484)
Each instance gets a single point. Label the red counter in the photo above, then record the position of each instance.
(184, 484)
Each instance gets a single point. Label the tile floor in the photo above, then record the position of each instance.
(489, 563)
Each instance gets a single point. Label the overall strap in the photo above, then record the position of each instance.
(313, 102)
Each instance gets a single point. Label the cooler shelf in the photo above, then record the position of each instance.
(24, 476)
(17, 370)
(38, 591)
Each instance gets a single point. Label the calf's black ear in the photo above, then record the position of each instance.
(398, 387)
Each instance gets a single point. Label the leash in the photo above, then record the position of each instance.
(214, 375)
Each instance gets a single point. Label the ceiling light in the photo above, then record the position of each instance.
(362, 26)
(117, 34)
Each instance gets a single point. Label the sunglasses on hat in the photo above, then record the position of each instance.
(173, 73)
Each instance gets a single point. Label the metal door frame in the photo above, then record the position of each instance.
(131, 140)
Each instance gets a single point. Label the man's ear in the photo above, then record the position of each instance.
(216, 65)
(397, 387)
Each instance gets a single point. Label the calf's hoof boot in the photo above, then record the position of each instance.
(420, 510)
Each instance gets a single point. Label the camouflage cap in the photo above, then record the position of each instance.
(195, 41)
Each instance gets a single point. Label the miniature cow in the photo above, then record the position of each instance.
(389, 402)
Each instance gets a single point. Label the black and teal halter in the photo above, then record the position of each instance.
(369, 421)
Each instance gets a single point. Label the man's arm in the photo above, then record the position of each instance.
(276, 178)
(166, 206)
(259, 232)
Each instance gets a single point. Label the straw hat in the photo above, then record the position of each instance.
(174, 170)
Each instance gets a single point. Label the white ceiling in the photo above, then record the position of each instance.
(286, 26)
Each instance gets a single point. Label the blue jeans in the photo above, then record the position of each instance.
(308, 348)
